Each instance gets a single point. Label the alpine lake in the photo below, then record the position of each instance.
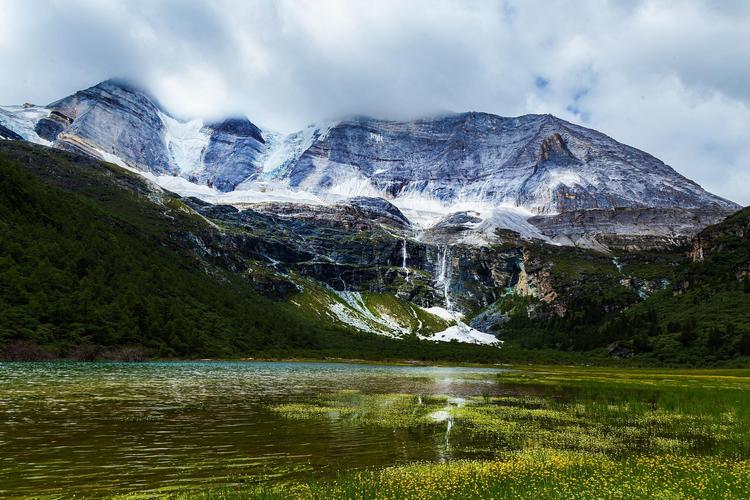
(335, 430)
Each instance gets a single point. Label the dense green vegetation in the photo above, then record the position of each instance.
(694, 313)
(84, 262)
(95, 264)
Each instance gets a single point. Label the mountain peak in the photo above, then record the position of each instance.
(537, 162)
(238, 126)
(123, 84)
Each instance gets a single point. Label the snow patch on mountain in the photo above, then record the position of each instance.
(22, 120)
(513, 218)
(281, 152)
(425, 213)
(440, 312)
(460, 332)
(254, 193)
(109, 157)
(564, 177)
(464, 333)
(186, 142)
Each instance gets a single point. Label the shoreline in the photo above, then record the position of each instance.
(528, 367)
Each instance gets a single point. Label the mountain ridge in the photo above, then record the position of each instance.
(506, 169)
(97, 257)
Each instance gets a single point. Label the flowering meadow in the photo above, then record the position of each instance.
(550, 432)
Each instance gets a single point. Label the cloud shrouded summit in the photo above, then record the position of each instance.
(670, 78)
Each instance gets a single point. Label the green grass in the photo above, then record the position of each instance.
(90, 255)
(555, 432)
(381, 410)
(538, 474)
(406, 314)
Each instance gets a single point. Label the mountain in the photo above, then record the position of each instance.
(535, 175)
(118, 121)
(98, 259)
(374, 236)
(538, 162)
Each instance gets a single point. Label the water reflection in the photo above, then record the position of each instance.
(89, 428)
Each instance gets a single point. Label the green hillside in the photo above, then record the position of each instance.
(95, 262)
(698, 315)
(91, 261)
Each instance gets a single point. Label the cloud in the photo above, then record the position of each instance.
(668, 77)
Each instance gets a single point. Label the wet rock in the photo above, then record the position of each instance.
(379, 209)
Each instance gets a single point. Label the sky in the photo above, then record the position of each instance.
(670, 78)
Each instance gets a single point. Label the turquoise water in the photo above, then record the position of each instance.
(102, 428)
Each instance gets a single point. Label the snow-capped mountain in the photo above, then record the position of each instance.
(117, 121)
(538, 162)
(502, 170)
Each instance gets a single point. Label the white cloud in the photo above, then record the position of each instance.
(668, 77)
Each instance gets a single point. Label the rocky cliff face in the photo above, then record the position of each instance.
(112, 118)
(462, 179)
(232, 154)
(535, 161)
(363, 245)
(118, 121)
(628, 228)
(723, 237)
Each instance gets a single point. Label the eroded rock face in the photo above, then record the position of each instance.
(49, 128)
(359, 246)
(113, 117)
(481, 275)
(535, 280)
(380, 210)
(712, 240)
(535, 161)
(232, 153)
(628, 228)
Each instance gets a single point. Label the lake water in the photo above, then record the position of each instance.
(100, 428)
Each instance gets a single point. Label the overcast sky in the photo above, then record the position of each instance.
(671, 78)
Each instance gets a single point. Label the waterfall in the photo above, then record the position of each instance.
(617, 264)
(444, 277)
(459, 330)
(404, 256)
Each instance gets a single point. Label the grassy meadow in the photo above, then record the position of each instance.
(552, 432)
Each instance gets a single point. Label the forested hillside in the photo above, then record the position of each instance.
(92, 260)
(693, 308)
(96, 262)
